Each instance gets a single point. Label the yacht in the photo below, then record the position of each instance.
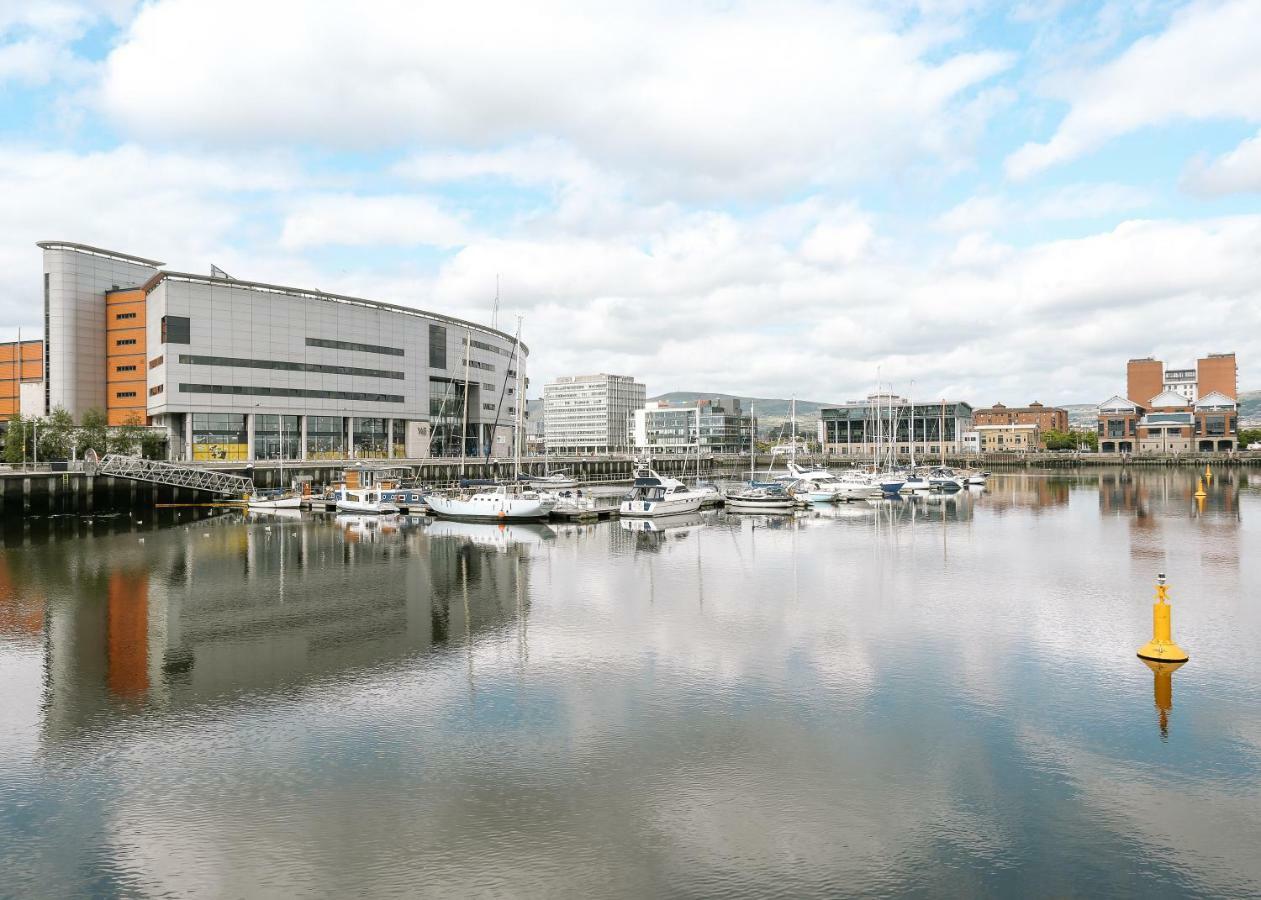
(761, 499)
(915, 482)
(659, 495)
(496, 503)
(274, 500)
(367, 501)
(553, 481)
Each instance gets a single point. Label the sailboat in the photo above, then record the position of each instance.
(281, 498)
(497, 503)
(755, 498)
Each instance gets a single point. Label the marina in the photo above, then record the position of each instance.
(838, 700)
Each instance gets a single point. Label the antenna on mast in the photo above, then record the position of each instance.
(494, 310)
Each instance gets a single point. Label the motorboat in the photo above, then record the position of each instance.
(274, 500)
(495, 503)
(975, 478)
(368, 501)
(761, 499)
(945, 480)
(553, 481)
(915, 482)
(652, 494)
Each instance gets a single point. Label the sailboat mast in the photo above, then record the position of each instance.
(516, 430)
(943, 431)
(912, 434)
(468, 349)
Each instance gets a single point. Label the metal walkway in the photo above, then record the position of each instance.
(155, 472)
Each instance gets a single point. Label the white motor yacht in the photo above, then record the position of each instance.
(492, 504)
(659, 495)
(368, 501)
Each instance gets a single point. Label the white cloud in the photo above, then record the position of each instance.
(1238, 171)
(1072, 202)
(711, 100)
(356, 220)
(1203, 66)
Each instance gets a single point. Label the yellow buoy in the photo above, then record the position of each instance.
(1208, 471)
(1199, 488)
(1161, 647)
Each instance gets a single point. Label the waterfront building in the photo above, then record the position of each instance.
(1047, 418)
(861, 427)
(1173, 410)
(21, 379)
(716, 426)
(587, 414)
(1145, 378)
(1014, 437)
(239, 370)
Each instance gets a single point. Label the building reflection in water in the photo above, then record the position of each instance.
(239, 607)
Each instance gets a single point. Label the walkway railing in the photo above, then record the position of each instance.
(155, 472)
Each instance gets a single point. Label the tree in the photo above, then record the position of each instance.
(152, 445)
(1089, 438)
(93, 433)
(1249, 436)
(54, 434)
(128, 437)
(1058, 440)
(15, 440)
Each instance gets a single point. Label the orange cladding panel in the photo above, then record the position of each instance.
(126, 398)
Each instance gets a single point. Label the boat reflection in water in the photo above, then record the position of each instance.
(492, 535)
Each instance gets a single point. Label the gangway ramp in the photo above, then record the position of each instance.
(156, 472)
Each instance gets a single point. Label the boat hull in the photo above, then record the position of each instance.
(735, 504)
(369, 509)
(510, 510)
(647, 508)
(282, 503)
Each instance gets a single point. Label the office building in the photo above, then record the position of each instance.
(587, 414)
(715, 426)
(239, 370)
(861, 427)
(21, 379)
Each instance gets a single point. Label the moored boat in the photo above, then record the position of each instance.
(659, 495)
(492, 504)
(368, 501)
(761, 499)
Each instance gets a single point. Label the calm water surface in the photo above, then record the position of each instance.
(934, 697)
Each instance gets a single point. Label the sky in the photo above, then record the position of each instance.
(985, 201)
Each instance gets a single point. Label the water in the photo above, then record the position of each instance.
(930, 698)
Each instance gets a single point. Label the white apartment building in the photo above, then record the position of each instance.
(706, 426)
(588, 414)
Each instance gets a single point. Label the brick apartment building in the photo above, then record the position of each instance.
(1046, 418)
(1169, 411)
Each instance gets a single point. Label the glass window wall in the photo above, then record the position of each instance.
(277, 437)
(370, 439)
(325, 437)
(219, 436)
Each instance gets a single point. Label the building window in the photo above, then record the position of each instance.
(194, 360)
(176, 330)
(130, 315)
(361, 348)
(370, 438)
(154, 391)
(219, 436)
(155, 362)
(277, 437)
(489, 407)
(122, 394)
(124, 368)
(437, 346)
(125, 342)
(253, 391)
(325, 437)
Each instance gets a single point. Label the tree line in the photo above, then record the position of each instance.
(56, 437)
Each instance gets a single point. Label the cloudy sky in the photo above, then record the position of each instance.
(999, 201)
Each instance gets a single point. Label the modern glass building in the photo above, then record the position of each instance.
(859, 428)
(587, 414)
(715, 426)
(238, 370)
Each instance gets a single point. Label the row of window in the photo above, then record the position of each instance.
(349, 345)
(253, 391)
(195, 360)
(130, 315)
